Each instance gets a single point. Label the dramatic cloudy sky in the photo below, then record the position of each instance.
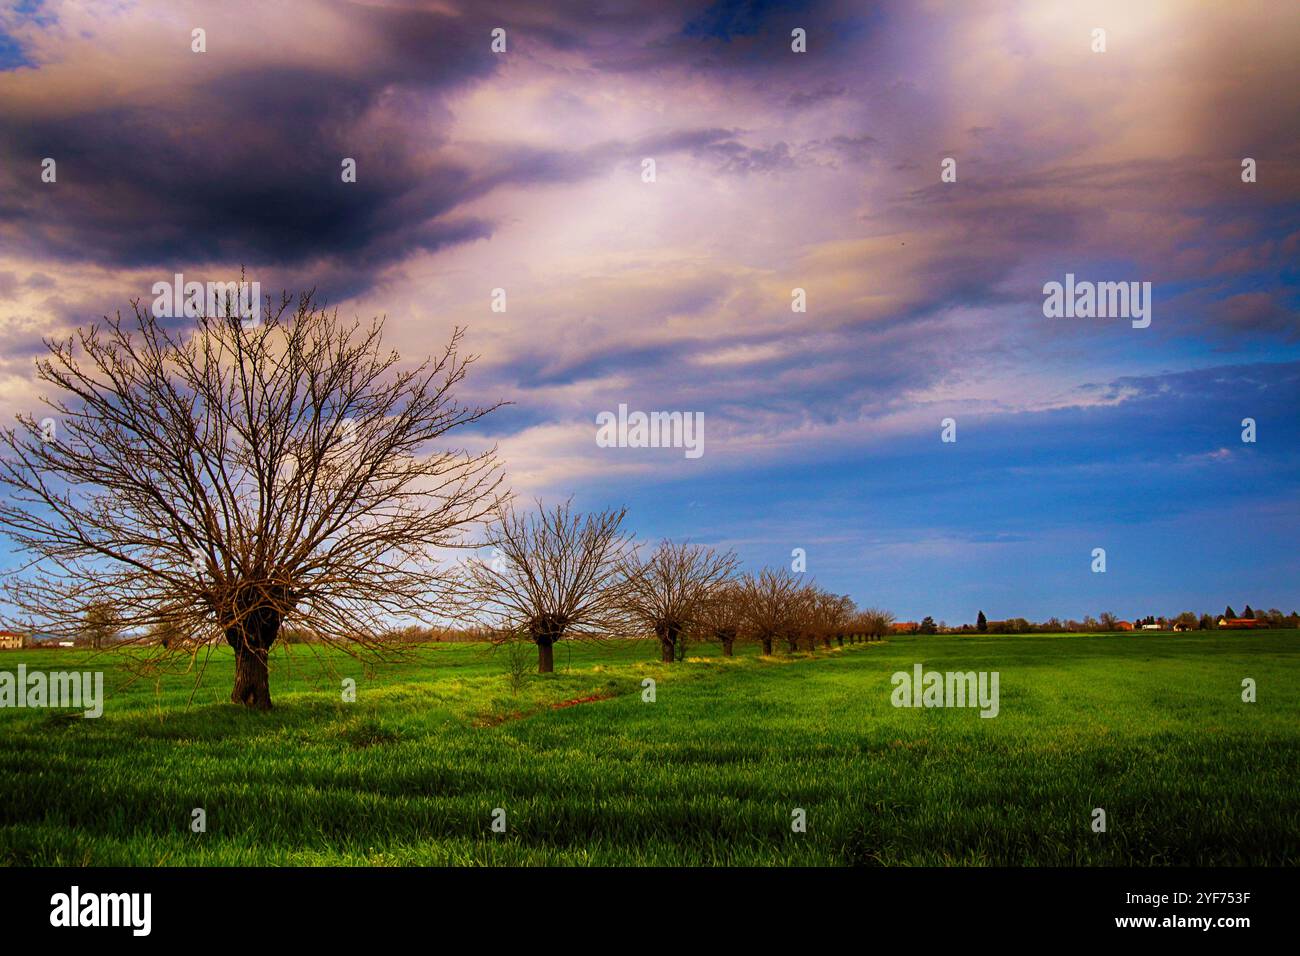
(775, 170)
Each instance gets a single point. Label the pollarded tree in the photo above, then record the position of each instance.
(859, 627)
(554, 574)
(807, 622)
(164, 634)
(821, 616)
(667, 591)
(771, 599)
(101, 626)
(876, 622)
(837, 610)
(824, 615)
(226, 477)
(721, 616)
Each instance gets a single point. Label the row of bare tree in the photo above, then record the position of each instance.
(293, 478)
(559, 574)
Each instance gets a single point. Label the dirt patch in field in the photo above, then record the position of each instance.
(496, 720)
(499, 717)
(582, 700)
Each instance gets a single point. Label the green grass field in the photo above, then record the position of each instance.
(1151, 728)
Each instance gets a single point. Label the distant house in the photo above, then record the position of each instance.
(1184, 627)
(1150, 627)
(1123, 625)
(1240, 623)
(903, 627)
(10, 641)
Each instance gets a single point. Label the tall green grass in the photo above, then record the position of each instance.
(1150, 728)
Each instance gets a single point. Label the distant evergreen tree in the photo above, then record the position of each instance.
(1248, 613)
(981, 623)
(1229, 613)
(927, 626)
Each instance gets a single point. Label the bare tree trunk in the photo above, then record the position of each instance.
(728, 647)
(669, 634)
(793, 642)
(840, 638)
(767, 647)
(251, 640)
(252, 679)
(545, 631)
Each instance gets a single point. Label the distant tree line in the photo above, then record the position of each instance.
(1107, 621)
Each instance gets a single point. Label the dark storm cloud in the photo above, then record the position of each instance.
(245, 166)
(127, 195)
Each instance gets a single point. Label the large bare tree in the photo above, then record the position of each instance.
(667, 591)
(222, 478)
(554, 573)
